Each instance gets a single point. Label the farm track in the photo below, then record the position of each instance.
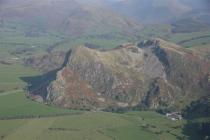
(10, 92)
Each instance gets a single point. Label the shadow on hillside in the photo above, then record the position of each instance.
(197, 130)
(37, 85)
(190, 130)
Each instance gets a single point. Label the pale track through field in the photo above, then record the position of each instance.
(10, 92)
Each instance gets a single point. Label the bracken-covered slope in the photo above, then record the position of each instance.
(153, 74)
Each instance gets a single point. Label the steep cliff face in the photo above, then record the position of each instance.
(187, 72)
(152, 74)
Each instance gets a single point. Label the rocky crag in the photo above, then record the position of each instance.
(153, 74)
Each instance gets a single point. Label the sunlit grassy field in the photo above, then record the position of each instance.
(16, 105)
(10, 76)
(94, 126)
(189, 40)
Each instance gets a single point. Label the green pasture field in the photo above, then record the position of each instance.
(201, 42)
(10, 76)
(94, 126)
(191, 39)
(187, 40)
(101, 43)
(16, 105)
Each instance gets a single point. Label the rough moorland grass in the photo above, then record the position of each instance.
(94, 126)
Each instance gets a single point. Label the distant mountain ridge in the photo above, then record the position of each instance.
(157, 11)
(125, 18)
(67, 16)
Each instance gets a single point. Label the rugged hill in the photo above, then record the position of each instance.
(153, 74)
